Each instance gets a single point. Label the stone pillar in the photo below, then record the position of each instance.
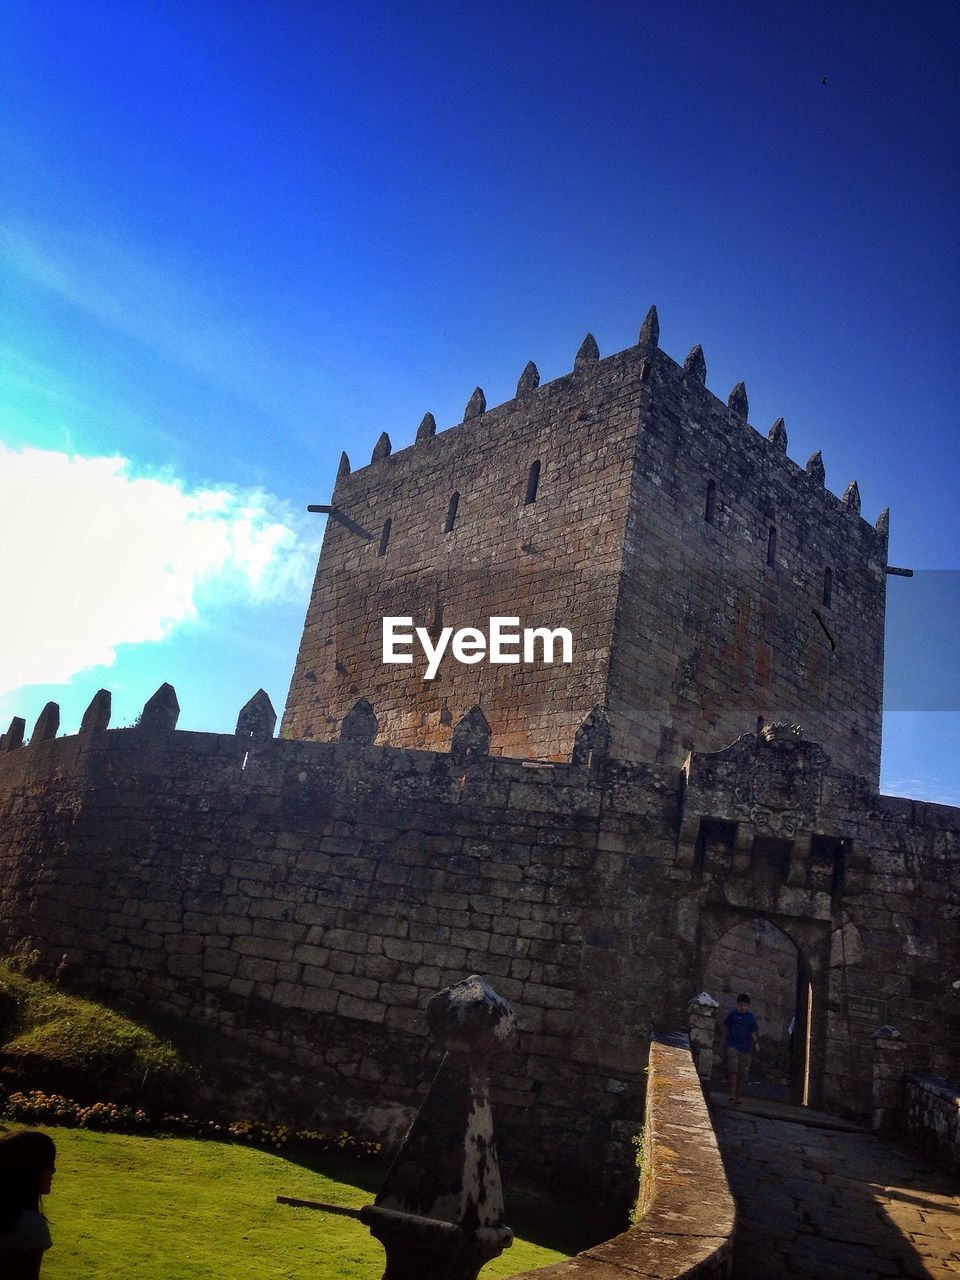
(439, 1214)
(702, 1013)
(889, 1064)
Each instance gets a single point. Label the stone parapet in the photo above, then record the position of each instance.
(931, 1118)
(687, 1214)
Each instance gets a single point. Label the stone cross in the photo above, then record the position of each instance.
(439, 1214)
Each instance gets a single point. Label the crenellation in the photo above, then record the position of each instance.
(382, 449)
(161, 711)
(48, 723)
(695, 366)
(529, 380)
(427, 428)
(359, 724)
(649, 338)
(851, 498)
(476, 405)
(815, 468)
(96, 718)
(588, 353)
(257, 719)
(777, 435)
(737, 401)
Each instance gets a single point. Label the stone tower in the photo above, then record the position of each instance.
(707, 580)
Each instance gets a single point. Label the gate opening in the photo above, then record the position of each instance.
(760, 959)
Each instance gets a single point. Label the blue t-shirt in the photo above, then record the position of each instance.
(740, 1028)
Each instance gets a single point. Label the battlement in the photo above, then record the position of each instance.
(652, 366)
(353, 766)
(708, 580)
(253, 751)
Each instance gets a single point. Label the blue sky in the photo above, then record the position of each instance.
(236, 239)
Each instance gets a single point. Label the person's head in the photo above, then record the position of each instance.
(27, 1163)
(743, 1002)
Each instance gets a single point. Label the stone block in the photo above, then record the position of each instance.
(289, 995)
(399, 949)
(319, 1001)
(349, 1006)
(394, 993)
(313, 976)
(264, 948)
(306, 954)
(256, 969)
(364, 988)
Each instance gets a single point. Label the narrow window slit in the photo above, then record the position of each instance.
(451, 512)
(710, 508)
(772, 545)
(384, 537)
(533, 482)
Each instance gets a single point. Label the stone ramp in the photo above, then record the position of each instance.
(833, 1203)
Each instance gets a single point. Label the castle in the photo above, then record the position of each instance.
(690, 803)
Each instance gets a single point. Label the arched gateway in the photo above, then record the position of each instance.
(760, 958)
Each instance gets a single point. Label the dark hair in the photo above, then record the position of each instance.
(743, 998)
(24, 1158)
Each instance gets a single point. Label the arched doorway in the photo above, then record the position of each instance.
(757, 957)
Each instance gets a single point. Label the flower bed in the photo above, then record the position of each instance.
(36, 1107)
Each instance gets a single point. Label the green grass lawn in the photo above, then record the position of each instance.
(184, 1209)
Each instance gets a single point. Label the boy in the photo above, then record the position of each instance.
(742, 1040)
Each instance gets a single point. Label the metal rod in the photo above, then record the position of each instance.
(340, 518)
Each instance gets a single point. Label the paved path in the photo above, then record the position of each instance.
(829, 1204)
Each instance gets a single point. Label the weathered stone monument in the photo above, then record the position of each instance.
(440, 1211)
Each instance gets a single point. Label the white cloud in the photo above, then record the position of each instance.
(93, 556)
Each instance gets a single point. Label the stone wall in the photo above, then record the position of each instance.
(681, 628)
(309, 897)
(931, 1118)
